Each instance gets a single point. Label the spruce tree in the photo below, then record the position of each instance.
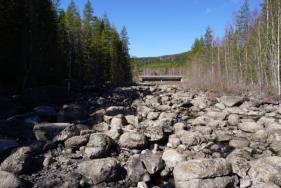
(87, 30)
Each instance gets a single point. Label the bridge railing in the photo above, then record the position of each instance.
(161, 78)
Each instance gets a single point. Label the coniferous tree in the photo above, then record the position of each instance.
(125, 55)
(87, 30)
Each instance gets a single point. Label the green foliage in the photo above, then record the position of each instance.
(40, 44)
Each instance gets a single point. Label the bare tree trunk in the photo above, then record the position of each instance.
(278, 50)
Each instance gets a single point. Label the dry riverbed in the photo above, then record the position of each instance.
(144, 136)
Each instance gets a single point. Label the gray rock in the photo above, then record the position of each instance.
(153, 115)
(274, 140)
(172, 157)
(250, 126)
(76, 142)
(240, 166)
(264, 185)
(133, 140)
(174, 141)
(132, 120)
(116, 123)
(233, 119)
(67, 133)
(166, 123)
(19, 162)
(218, 182)
(99, 145)
(136, 170)
(267, 170)
(192, 138)
(100, 170)
(9, 180)
(239, 143)
(152, 161)
(199, 103)
(154, 133)
(47, 131)
(201, 169)
(231, 101)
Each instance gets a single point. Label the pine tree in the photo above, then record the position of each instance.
(116, 71)
(87, 41)
(73, 23)
(96, 55)
(106, 42)
(125, 56)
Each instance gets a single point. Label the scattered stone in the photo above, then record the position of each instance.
(250, 126)
(231, 101)
(19, 162)
(9, 180)
(172, 157)
(76, 142)
(100, 170)
(233, 119)
(99, 145)
(203, 173)
(133, 140)
(154, 133)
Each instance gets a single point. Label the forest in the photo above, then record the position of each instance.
(41, 44)
(246, 58)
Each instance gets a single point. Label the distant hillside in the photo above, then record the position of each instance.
(167, 64)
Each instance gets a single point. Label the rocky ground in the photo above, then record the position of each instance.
(143, 136)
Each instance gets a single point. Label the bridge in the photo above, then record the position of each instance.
(161, 78)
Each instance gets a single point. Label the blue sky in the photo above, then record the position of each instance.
(161, 27)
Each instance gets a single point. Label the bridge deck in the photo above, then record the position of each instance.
(161, 78)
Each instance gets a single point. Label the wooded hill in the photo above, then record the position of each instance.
(167, 64)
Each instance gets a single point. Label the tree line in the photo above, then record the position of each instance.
(247, 57)
(41, 44)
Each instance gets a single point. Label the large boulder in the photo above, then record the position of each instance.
(136, 170)
(100, 170)
(133, 140)
(99, 145)
(9, 180)
(267, 170)
(76, 142)
(201, 169)
(231, 101)
(250, 126)
(172, 157)
(240, 161)
(218, 182)
(67, 133)
(18, 162)
(192, 138)
(203, 173)
(152, 161)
